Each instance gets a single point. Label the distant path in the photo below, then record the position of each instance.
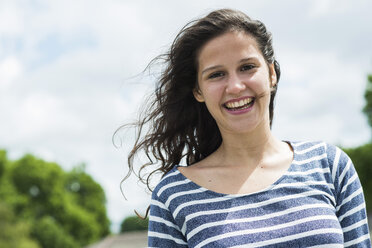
(126, 240)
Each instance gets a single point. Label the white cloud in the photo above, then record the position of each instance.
(10, 18)
(319, 8)
(10, 69)
(322, 95)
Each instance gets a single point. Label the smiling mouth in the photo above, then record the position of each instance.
(239, 105)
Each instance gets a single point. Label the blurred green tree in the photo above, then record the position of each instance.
(14, 233)
(49, 233)
(69, 206)
(89, 195)
(134, 223)
(2, 162)
(42, 183)
(368, 97)
(8, 193)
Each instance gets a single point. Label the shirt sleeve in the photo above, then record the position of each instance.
(350, 203)
(163, 232)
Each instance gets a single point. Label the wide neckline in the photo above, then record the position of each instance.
(269, 187)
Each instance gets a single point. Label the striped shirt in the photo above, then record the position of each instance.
(318, 202)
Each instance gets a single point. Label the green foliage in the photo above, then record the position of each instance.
(80, 224)
(63, 209)
(2, 162)
(90, 196)
(134, 223)
(9, 194)
(362, 159)
(49, 233)
(14, 233)
(41, 182)
(368, 97)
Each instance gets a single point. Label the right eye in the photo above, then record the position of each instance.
(216, 75)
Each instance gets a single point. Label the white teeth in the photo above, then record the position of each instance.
(239, 104)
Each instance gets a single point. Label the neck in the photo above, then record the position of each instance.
(249, 148)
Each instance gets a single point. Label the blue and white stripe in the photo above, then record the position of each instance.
(318, 202)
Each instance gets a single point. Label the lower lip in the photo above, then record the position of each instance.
(240, 111)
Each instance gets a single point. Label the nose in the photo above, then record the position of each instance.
(234, 85)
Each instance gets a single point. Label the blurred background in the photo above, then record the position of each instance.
(70, 76)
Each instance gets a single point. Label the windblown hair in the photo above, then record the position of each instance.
(178, 125)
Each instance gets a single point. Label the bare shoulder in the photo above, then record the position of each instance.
(199, 171)
(194, 168)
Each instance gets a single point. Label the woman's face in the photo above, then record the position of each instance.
(234, 82)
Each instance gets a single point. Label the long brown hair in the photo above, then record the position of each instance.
(177, 125)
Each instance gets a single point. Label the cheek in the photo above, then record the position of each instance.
(260, 82)
(213, 93)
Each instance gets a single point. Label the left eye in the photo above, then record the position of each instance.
(246, 67)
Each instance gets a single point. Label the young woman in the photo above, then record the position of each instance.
(241, 186)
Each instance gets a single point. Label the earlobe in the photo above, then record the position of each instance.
(198, 95)
(273, 80)
(273, 76)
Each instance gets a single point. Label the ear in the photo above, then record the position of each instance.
(198, 94)
(273, 78)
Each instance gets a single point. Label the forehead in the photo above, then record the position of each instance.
(228, 47)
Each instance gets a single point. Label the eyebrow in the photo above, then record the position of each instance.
(248, 59)
(218, 66)
(210, 68)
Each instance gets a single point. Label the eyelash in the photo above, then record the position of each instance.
(220, 74)
(247, 67)
(216, 75)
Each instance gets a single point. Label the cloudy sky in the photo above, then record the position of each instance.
(68, 76)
